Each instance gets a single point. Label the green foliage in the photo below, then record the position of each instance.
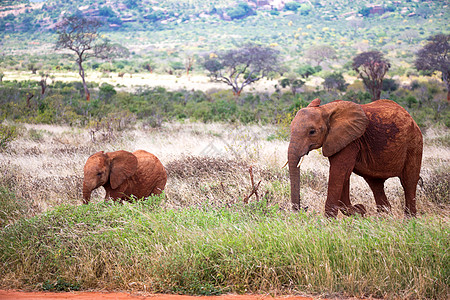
(7, 134)
(293, 6)
(11, 208)
(335, 81)
(365, 11)
(106, 92)
(240, 11)
(60, 285)
(306, 70)
(253, 248)
(389, 85)
(284, 125)
(64, 104)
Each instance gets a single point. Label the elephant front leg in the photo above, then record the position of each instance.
(345, 206)
(341, 167)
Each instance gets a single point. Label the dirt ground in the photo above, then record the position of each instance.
(18, 295)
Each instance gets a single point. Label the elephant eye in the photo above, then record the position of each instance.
(99, 174)
(312, 131)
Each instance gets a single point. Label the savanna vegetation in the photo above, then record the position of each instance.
(224, 224)
(205, 236)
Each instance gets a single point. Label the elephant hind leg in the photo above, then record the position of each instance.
(377, 187)
(409, 179)
(409, 182)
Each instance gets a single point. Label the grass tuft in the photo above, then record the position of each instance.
(211, 250)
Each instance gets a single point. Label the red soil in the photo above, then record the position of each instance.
(18, 295)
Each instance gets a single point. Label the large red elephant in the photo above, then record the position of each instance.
(124, 174)
(377, 141)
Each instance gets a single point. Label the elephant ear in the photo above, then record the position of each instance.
(347, 122)
(123, 165)
(314, 103)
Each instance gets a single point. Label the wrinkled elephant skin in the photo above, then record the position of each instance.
(124, 174)
(377, 141)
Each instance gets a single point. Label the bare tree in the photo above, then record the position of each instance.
(114, 50)
(372, 66)
(43, 83)
(188, 63)
(409, 35)
(80, 35)
(356, 24)
(244, 66)
(434, 56)
(320, 53)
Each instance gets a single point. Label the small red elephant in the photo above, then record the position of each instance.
(124, 174)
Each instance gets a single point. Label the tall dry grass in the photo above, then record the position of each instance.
(205, 163)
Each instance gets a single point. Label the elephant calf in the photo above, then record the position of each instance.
(377, 141)
(124, 174)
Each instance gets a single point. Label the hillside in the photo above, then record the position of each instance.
(165, 32)
(138, 14)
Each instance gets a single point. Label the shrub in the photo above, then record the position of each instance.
(284, 123)
(7, 134)
(293, 6)
(389, 85)
(12, 207)
(437, 186)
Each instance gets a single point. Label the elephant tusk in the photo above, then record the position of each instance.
(300, 162)
(285, 165)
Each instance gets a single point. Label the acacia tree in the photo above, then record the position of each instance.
(335, 81)
(80, 35)
(371, 67)
(292, 81)
(244, 66)
(434, 56)
(320, 53)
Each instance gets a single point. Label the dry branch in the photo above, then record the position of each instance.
(254, 187)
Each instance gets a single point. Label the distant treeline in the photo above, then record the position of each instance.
(63, 103)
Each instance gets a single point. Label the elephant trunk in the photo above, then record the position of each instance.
(86, 193)
(294, 176)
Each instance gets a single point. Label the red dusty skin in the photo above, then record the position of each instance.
(376, 141)
(86, 194)
(294, 176)
(124, 174)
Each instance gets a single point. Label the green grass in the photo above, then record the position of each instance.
(209, 250)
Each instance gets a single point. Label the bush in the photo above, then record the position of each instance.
(293, 6)
(7, 134)
(65, 104)
(12, 207)
(437, 186)
(389, 85)
(242, 10)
